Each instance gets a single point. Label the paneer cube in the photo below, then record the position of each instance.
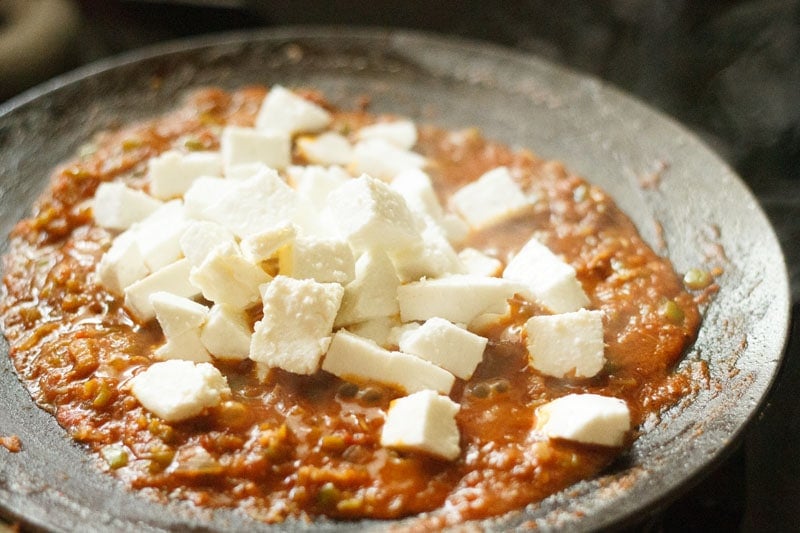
(586, 418)
(177, 390)
(226, 277)
(117, 206)
(226, 333)
(357, 359)
(401, 133)
(265, 244)
(285, 111)
(330, 148)
(566, 344)
(373, 292)
(158, 235)
(315, 183)
(201, 237)
(382, 159)
(377, 329)
(491, 199)
(548, 280)
(369, 214)
(459, 298)
(423, 422)
(172, 173)
(432, 256)
(248, 145)
(478, 263)
(122, 264)
(297, 323)
(325, 260)
(446, 345)
(173, 278)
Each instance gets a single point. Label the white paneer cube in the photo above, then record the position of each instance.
(433, 256)
(158, 235)
(204, 193)
(478, 263)
(243, 171)
(177, 314)
(226, 333)
(423, 422)
(117, 206)
(492, 198)
(459, 298)
(586, 418)
(201, 237)
(373, 292)
(383, 160)
(401, 133)
(186, 346)
(322, 260)
(329, 148)
(173, 278)
(288, 112)
(369, 214)
(248, 145)
(297, 323)
(122, 264)
(357, 359)
(400, 331)
(548, 280)
(416, 188)
(226, 277)
(251, 206)
(566, 344)
(178, 390)
(172, 173)
(446, 345)
(315, 183)
(377, 329)
(265, 244)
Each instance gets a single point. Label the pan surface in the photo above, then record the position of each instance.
(699, 212)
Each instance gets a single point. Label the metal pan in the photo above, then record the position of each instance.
(611, 139)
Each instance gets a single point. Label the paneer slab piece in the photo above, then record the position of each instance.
(382, 159)
(181, 320)
(370, 214)
(158, 235)
(122, 265)
(201, 237)
(378, 330)
(226, 277)
(297, 323)
(285, 111)
(423, 422)
(373, 292)
(566, 344)
(446, 345)
(173, 278)
(117, 206)
(458, 298)
(586, 418)
(325, 260)
(265, 244)
(315, 182)
(248, 145)
(357, 359)
(401, 133)
(330, 148)
(172, 173)
(226, 333)
(478, 263)
(432, 256)
(491, 199)
(548, 280)
(177, 390)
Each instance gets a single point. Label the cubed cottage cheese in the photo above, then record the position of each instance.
(491, 199)
(325, 260)
(382, 159)
(177, 390)
(357, 359)
(329, 148)
(548, 280)
(586, 418)
(401, 133)
(446, 345)
(566, 344)
(297, 323)
(122, 264)
(226, 333)
(173, 278)
(373, 292)
(247, 145)
(285, 111)
(226, 277)
(117, 206)
(172, 173)
(423, 422)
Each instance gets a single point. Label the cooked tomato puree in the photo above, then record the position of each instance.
(309, 445)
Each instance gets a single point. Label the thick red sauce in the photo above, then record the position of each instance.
(309, 445)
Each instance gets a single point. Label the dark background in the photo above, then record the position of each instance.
(729, 70)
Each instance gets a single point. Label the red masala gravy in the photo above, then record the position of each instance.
(309, 445)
